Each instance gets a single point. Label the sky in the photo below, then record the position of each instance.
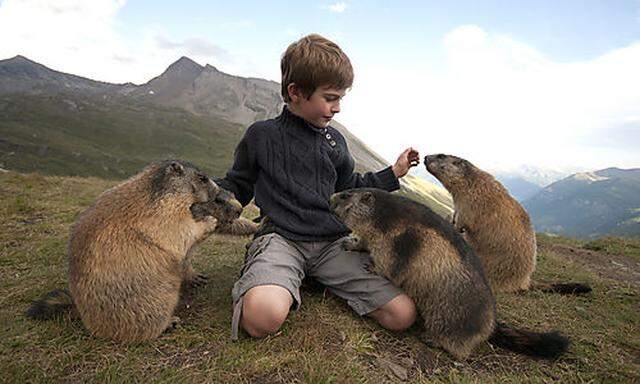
(551, 84)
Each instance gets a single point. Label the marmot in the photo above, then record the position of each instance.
(496, 226)
(128, 252)
(427, 258)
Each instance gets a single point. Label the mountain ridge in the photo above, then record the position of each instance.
(589, 204)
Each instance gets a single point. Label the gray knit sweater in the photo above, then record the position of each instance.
(293, 168)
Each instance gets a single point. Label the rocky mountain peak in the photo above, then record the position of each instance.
(184, 65)
(20, 65)
(210, 68)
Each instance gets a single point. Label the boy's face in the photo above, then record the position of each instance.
(320, 107)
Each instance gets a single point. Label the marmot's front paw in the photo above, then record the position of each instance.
(198, 281)
(175, 322)
(200, 211)
(353, 243)
(210, 224)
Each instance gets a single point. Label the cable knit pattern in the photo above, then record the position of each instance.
(293, 170)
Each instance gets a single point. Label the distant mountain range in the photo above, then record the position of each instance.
(59, 123)
(203, 91)
(589, 204)
(520, 188)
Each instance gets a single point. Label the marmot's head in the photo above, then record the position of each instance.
(223, 207)
(180, 178)
(355, 206)
(453, 172)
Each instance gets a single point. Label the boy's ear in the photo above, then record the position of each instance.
(294, 92)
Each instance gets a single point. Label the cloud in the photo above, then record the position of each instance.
(84, 37)
(501, 103)
(193, 47)
(75, 36)
(338, 7)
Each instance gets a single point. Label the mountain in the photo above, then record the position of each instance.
(589, 204)
(63, 124)
(21, 75)
(67, 134)
(540, 176)
(205, 91)
(518, 187)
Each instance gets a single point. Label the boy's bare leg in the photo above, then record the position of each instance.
(397, 315)
(264, 309)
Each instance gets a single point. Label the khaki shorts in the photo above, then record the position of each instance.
(273, 260)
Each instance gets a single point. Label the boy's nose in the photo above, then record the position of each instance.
(335, 108)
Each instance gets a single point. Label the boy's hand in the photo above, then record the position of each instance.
(407, 159)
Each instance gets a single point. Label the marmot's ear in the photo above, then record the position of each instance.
(175, 168)
(367, 198)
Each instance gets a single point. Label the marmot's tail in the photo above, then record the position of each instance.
(240, 226)
(561, 288)
(544, 345)
(51, 304)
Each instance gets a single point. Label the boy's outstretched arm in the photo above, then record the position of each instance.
(241, 178)
(386, 179)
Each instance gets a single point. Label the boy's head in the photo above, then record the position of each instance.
(316, 73)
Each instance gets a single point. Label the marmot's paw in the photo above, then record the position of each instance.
(428, 341)
(200, 211)
(209, 225)
(353, 243)
(198, 281)
(173, 324)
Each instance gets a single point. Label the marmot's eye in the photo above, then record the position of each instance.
(203, 178)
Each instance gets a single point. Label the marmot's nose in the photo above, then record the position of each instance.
(428, 159)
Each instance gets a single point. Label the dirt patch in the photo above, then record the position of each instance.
(611, 266)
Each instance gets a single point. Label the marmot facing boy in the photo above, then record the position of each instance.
(495, 225)
(128, 252)
(427, 258)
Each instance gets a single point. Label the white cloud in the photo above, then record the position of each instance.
(84, 37)
(338, 7)
(500, 103)
(78, 36)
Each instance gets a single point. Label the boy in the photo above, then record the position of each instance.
(293, 164)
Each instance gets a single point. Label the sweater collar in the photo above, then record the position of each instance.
(289, 116)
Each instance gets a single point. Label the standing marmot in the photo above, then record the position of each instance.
(128, 252)
(495, 225)
(423, 255)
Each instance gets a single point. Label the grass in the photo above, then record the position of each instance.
(324, 342)
(616, 245)
(627, 246)
(107, 138)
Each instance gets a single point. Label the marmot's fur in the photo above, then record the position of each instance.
(128, 252)
(427, 258)
(494, 224)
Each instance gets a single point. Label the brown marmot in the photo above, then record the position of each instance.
(128, 252)
(428, 259)
(495, 225)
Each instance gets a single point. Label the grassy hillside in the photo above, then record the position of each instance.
(112, 139)
(324, 342)
(63, 135)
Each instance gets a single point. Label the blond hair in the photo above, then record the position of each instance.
(315, 61)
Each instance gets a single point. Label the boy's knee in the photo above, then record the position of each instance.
(397, 315)
(264, 309)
